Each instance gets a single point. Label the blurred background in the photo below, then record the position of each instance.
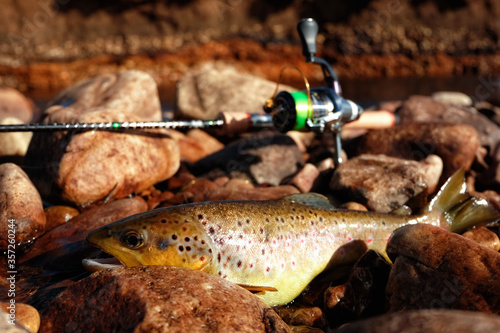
(381, 49)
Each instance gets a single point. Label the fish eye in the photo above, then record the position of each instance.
(132, 239)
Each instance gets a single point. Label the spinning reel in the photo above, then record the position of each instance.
(318, 109)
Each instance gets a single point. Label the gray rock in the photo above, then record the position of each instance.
(262, 158)
(214, 88)
(158, 299)
(429, 321)
(384, 183)
(20, 203)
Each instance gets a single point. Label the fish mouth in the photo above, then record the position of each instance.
(99, 264)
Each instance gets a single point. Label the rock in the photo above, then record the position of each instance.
(158, 298)
(363, 294)
(263, 158)
(429, 321)
(196, 144)
(214, 88)
(128, 91)
(14, 143)
(434, 268)
(351, 205)
(383, 183)
(305, 178)
(452, 97)
(484, 237)
(20, 206)
(57, 215)
(14, 104)
(26, 315)
(456, 144)
(78, 227)
(312, 317)
(87, 162)
(6, 325)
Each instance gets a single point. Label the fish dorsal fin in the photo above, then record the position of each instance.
(256, 289)
(402, 211)
(309, 199)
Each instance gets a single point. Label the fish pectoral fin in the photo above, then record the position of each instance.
(256, 289)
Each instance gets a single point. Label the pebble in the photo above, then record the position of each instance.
(312, 317)
(14, 143)
(434, 268)
(15, 104)
(217, 87)
(26, 315)
(20, 204)
(195, 144)
(155, 299)
(304, 180)
(452, 97)
(57, 215)
(6, 324)
(484, 237)
(383, 183)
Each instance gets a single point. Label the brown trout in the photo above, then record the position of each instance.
(281, 244)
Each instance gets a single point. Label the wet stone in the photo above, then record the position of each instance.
(158, 298)
(263, 158)
(15, 104)
(429, 321)
(305, 178)
(456, 144)
(26, 315)
(195, 144)
(484, 237)
(383, 183)
(14, 143)
(57, 215)
(6, 325)
(434, 268)
(21, 208)
(312, 317)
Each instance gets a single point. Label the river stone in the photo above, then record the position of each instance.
(21, 202)
(15, 104)
(7, 327)
(14, 143)
(195, 144)
(262, 158)
(26, 315)
(217, 87)
(429, 321)
(452, 97)
(384, 183)
(485, 237)
(128, 91)
(78, 227)
(90, 166)
(57, 215)
(434, 268)
(158, 299)
(456, 144)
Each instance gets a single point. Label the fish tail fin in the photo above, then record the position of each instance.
(459, 210)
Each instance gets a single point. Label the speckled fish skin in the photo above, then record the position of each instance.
(281, 243)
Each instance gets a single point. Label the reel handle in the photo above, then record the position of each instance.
(308, 31)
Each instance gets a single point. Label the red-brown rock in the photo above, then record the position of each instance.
(156, 299)
(21, 209)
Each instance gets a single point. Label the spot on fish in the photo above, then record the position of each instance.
(163, 245)
(320, 219)
(200, 216)
(369, 240)
(261, 230)
(248, 221)
(209, 250)
(202, 242)
(211, 230)
(358, 226)
(263, 251)
(312, 222)
(186, 221)
(188, 248)
(174, 237)
(239, 223)
(195, 238)
(218, 257)
(186, 239)
(163, 221)
(181, 248)
(283, 220)
(251, 265)
(240, 236)
(349, 238)
(282, 265)
(184, 229)
(230, 237)
(239, 264)
(193, 256)
(267, 220)
(268, 269)
(383, 222)
(202, 258)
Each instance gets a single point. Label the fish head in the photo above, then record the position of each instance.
(161, 237)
